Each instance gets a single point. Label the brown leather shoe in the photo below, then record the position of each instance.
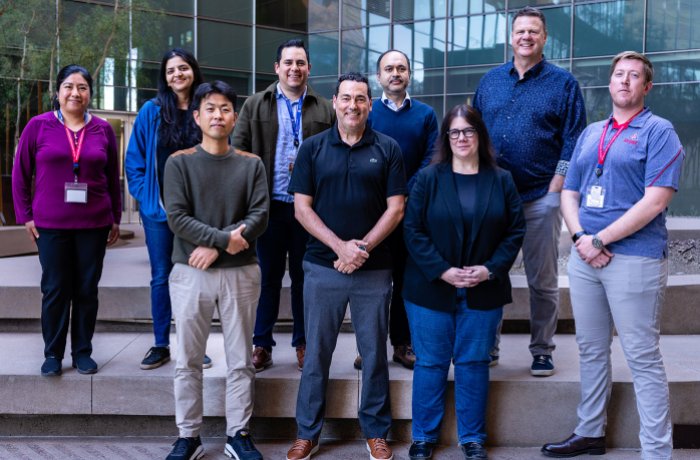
(301, 353)
(357, 364)
(302, 449)
(262, 359)
(575, 445)
(379, 449)
(403, 354)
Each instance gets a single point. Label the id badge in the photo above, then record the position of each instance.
(76, 192)
(595, 196)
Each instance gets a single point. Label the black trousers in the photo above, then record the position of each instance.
(399, 333)
(71, 264)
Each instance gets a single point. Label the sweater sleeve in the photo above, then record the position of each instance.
(258, 206)
(23, 171)
(135, 162)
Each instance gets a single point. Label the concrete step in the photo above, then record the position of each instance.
(155, 448)
(124, 291)
(123, 400)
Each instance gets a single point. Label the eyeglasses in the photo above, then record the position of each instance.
(468, 133)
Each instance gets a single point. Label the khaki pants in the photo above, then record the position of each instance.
(195, 294)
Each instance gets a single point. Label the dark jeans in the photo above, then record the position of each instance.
(399, 333)
(327, 293)
(71, 267)
(159, 241)
(283, 235)
(464, 337)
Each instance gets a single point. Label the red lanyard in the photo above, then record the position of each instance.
(75, 149)
(602, 150)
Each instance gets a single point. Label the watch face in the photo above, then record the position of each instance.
(597, 243)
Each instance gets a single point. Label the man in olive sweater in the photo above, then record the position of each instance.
(217, 204)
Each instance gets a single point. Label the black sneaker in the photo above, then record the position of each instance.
(156, 357)
(51, 367)
(206, 362)
(186, 449)
(241, 447)
(85, 365)
(542, 366)
(474, 451)
(421, 450)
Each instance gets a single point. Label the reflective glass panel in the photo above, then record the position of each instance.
(239, 10)
(325, 86)
(323, 49)
(592, 72)
(147, 75)
(457, 99)
(239, 81)
(423, 42)
(411, 10)
(428, 81)
(287, 14)
(263, 80)
(673, 25)
(461, 7)
(177, 6)
(169, 32)
(365, 12)
(465, 79)
(476, 39)
(608, 28)
(436, 102)
(676, 67)
(323, 15)
(266, 43)
(361, 48)
(516, 4)
(238, 50)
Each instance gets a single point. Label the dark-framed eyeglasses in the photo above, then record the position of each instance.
(468, 133)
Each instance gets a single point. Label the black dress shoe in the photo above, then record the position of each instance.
(421, 450)
(575, 445)
(474, 451)
(51, 367)
(85, 365)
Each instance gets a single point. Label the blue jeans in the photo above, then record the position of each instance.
(284, 234)
(464, 337)
(159, 241)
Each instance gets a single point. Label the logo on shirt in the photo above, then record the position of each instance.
(632, 139)
(373, 160)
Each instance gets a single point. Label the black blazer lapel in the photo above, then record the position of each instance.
(484, 189)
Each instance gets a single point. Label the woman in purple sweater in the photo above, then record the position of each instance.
(72, 215)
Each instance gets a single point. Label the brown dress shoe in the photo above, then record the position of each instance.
(301, 353)
(302, 449)
(262, 359)
(575, 445)
(379, 449)
(403, 354)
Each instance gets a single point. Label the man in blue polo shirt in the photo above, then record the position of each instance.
(349, 192)
(624, 172)
(534, 113)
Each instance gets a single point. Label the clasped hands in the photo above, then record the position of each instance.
(351, 256)
(596, 258)
(202, 257)
(465, 277)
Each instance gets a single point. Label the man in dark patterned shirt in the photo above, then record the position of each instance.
(534, 112)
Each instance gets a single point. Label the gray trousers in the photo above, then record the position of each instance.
(327, 293)
(540, 257)
(195, 294)
(627, 294)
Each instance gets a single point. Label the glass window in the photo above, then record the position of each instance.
(365, 12)
(361, 48)
(465, 79)
(263, 80)
(236, 53)
(287, 14)
(147, 75)
(266, 43)
(592, 72)
(428, 81)
(240, 10)
(673, 25)
(457, 99)
(171, 32)
(325, 86)
(323, 50)
(239, 81)
(436, 102)
(517, 4)
(676, 67)
(608, 28)
(461, 7)
(412, 10)
(323, 15)
(423, 42)
(476, 40)
(598, 105)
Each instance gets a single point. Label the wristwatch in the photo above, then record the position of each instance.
(597, 243)
(577, 235)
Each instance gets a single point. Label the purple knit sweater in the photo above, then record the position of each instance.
(44, 152)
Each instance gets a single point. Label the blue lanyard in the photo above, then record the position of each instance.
(296, 118)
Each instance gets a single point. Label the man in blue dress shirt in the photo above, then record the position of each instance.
(534, 112)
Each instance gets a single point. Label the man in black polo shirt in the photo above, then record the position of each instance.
(349, 188)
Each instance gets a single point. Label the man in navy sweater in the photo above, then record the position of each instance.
(414, 126)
